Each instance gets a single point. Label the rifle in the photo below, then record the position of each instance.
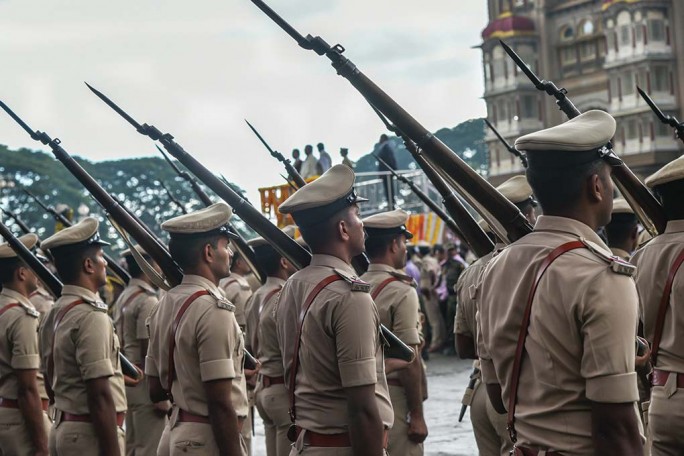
(510, 148)
(53, 284)
(172, 271)
(20, 223)
(470, 181)
(173, 199)
(289, 183)
(284, 244)
(642, 201)
(112, 265)
(469, 392)
(667, 120)
(291, 171)
(244, 249)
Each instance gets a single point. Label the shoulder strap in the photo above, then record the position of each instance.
(300, 324)
(268, 297)
(664, 304)
(520, 348)
(123, 319)
(377, 290)
(58, 319)
(172, 334)
(8, 307)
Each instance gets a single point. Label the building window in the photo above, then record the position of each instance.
(529, 107)
(625, 35)
(639, 33)
(662, 130)
(587, 28)
(660, 79)
(656, 30)
(610, 41)
(627, 83)
(567, 33)
(568, 55)
(587, 51)
(632, 129)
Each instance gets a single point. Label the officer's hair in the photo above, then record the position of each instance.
(620, 228)
(424, 249)
(437, 248)
(559, 189)
(269, 262)
(234, 260)
(318, 235)
(376, 246)
(187, 252)
(70, 265)
(8, 266)
(133, 267)
(670, 195)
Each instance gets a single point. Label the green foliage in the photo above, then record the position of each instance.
(466, 139)
(135, 182)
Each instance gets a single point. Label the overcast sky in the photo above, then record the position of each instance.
(197, 69)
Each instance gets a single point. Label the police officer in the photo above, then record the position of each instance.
(332, 353)
(661, 289)
(196, 350)
(80, 349)
(623, 230)
(396, 298)
(575, 390)
(429, 276)
(144, 420)
(24, 425)
(271, 393)
(489, 426)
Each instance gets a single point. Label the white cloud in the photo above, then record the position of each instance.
(197, 69)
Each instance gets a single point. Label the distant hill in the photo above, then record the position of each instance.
(136, 182)
(466, 139)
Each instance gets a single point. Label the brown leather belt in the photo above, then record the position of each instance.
(342, 440)
(394, 382)
(66, 416)
(187, 417)
(522, 451)
(14, 404)
(660, 378)
(270, 381)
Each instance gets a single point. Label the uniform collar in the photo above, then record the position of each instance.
(142, 284)
(235, 276)
(273, 282)
(674, 226)
(624, 254)
(199, 281)
(13, 295)
(381, 267)
(334, 262)
(80, 292)
(569, 226)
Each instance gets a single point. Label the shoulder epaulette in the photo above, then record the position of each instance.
(221, 301)
(99, 305)
(30, 311)
(617, 264)
(407, 279)
(356, 283)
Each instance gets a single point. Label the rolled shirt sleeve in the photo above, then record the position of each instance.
(356, 325)
(609, 321)
(24, 336)
(406, 322)
(95, 345)
(218, 339)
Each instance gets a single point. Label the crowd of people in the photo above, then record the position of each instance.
(312, 166)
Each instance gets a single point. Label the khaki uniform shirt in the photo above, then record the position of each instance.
(654, 262)
(42, 301)
(209, 346)
(262, 328)
(429, 272)
(85, 348)
(620, 253)
(19, 340)
(131, 310)
(466, 293)
(580, 344)
(238, 290)
(340, 346)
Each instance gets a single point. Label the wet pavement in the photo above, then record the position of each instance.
(447, 379)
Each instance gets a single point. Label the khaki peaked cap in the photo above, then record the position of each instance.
(210, 220)
(29, 240)
(140, 250)
(621, 206)
(671, 172)
(322, 198)
(83, 234)
(588, 131)
(387, 223)
(516, 189)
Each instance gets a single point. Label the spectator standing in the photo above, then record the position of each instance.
(344, 152)
(309, 166)
(297, 161)
(386, 153)
(325, 160)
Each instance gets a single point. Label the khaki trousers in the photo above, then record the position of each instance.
(14, 436)
(246, 432)
(299, 448)
(144, 424)
(489, 426)
(666, 419)
(399, 443)
(78, 439)
(195, 438)
(273, 404)
(435, 319)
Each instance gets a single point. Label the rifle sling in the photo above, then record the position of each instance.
(520, 348)
(58, 319)
(377, 290)
(664, 304)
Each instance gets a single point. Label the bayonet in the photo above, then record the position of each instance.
(291, 171)
(173, 199)
(20, 223)
(666, 119)
(510, 148)
(49, 209)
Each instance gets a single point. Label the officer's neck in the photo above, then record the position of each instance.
(18, 287)
(89, 282)
(337, 250)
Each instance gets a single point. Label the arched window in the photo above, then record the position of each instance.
(586, 28)
(567, 33)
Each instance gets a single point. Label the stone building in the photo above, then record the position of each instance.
(600, 51)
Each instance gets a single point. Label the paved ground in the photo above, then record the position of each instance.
(447, 379)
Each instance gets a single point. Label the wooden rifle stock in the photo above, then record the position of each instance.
(52, 283)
